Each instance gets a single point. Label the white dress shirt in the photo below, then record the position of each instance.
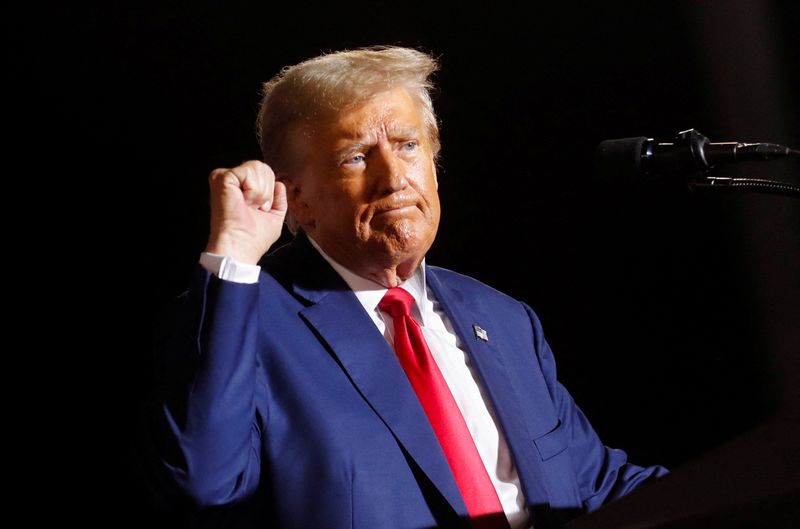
(450, 357)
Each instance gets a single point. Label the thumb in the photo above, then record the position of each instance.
(279, 201)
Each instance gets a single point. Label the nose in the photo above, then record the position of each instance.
(389, 171)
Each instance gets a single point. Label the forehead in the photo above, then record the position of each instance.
(392, 112)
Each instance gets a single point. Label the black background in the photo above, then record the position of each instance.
(673, 314)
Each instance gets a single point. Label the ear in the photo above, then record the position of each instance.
(435, 175)
(299, 207)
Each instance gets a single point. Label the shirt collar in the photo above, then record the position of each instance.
(370, 293)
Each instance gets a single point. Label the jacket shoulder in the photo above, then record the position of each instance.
(471, 287)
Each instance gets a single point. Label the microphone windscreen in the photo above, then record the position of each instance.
(620, 160)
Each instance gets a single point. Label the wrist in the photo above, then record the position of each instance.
(224, 246)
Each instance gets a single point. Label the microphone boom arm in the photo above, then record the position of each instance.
(749, 184)
(690, 157)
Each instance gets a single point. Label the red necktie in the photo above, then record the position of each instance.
(448, 424)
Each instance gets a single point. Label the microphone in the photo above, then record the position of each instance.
(689, 155)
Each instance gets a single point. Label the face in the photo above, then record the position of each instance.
(367, 193)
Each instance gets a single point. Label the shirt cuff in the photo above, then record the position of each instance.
(228, 269)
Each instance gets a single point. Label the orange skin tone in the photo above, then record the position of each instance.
(366, 193)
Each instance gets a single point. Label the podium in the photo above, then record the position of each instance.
(753, 481)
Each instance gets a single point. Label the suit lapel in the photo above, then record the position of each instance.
(363, 353)
(494, 375)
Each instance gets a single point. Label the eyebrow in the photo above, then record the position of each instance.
(359, 142)
(354, 146)
(409, 131)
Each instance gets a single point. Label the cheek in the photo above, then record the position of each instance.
(428, 187)
(349, 205)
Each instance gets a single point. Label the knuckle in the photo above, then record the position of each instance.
(216, 174)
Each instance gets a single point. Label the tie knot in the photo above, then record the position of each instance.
(397, 302)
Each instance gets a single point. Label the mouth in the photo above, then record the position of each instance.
(397, 207)
(400, 209)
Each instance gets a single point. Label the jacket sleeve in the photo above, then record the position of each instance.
(207, 429)
(603, 474)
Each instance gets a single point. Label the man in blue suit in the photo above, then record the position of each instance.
(288, 386)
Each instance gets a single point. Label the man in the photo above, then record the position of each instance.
(313, 385)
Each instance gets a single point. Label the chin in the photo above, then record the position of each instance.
(406, 248)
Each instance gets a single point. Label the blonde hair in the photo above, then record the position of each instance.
(318, 88)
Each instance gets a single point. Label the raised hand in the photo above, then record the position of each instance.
(247, 211)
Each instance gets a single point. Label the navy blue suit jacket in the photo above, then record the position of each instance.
(284, 392)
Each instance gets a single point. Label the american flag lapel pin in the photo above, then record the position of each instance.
(480, 333)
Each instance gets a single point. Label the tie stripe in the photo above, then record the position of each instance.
(448, 424)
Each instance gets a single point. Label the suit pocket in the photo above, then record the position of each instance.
(556, 467)
(552, 443)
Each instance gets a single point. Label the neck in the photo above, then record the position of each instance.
(390, 276)
(388, 272)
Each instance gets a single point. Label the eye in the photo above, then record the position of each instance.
(410, 146)
(354, 160)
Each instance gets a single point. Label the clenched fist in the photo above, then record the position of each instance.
(247, 211)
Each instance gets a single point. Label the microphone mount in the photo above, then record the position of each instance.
(690, 157)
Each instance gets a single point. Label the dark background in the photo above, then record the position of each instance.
(673, 314)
